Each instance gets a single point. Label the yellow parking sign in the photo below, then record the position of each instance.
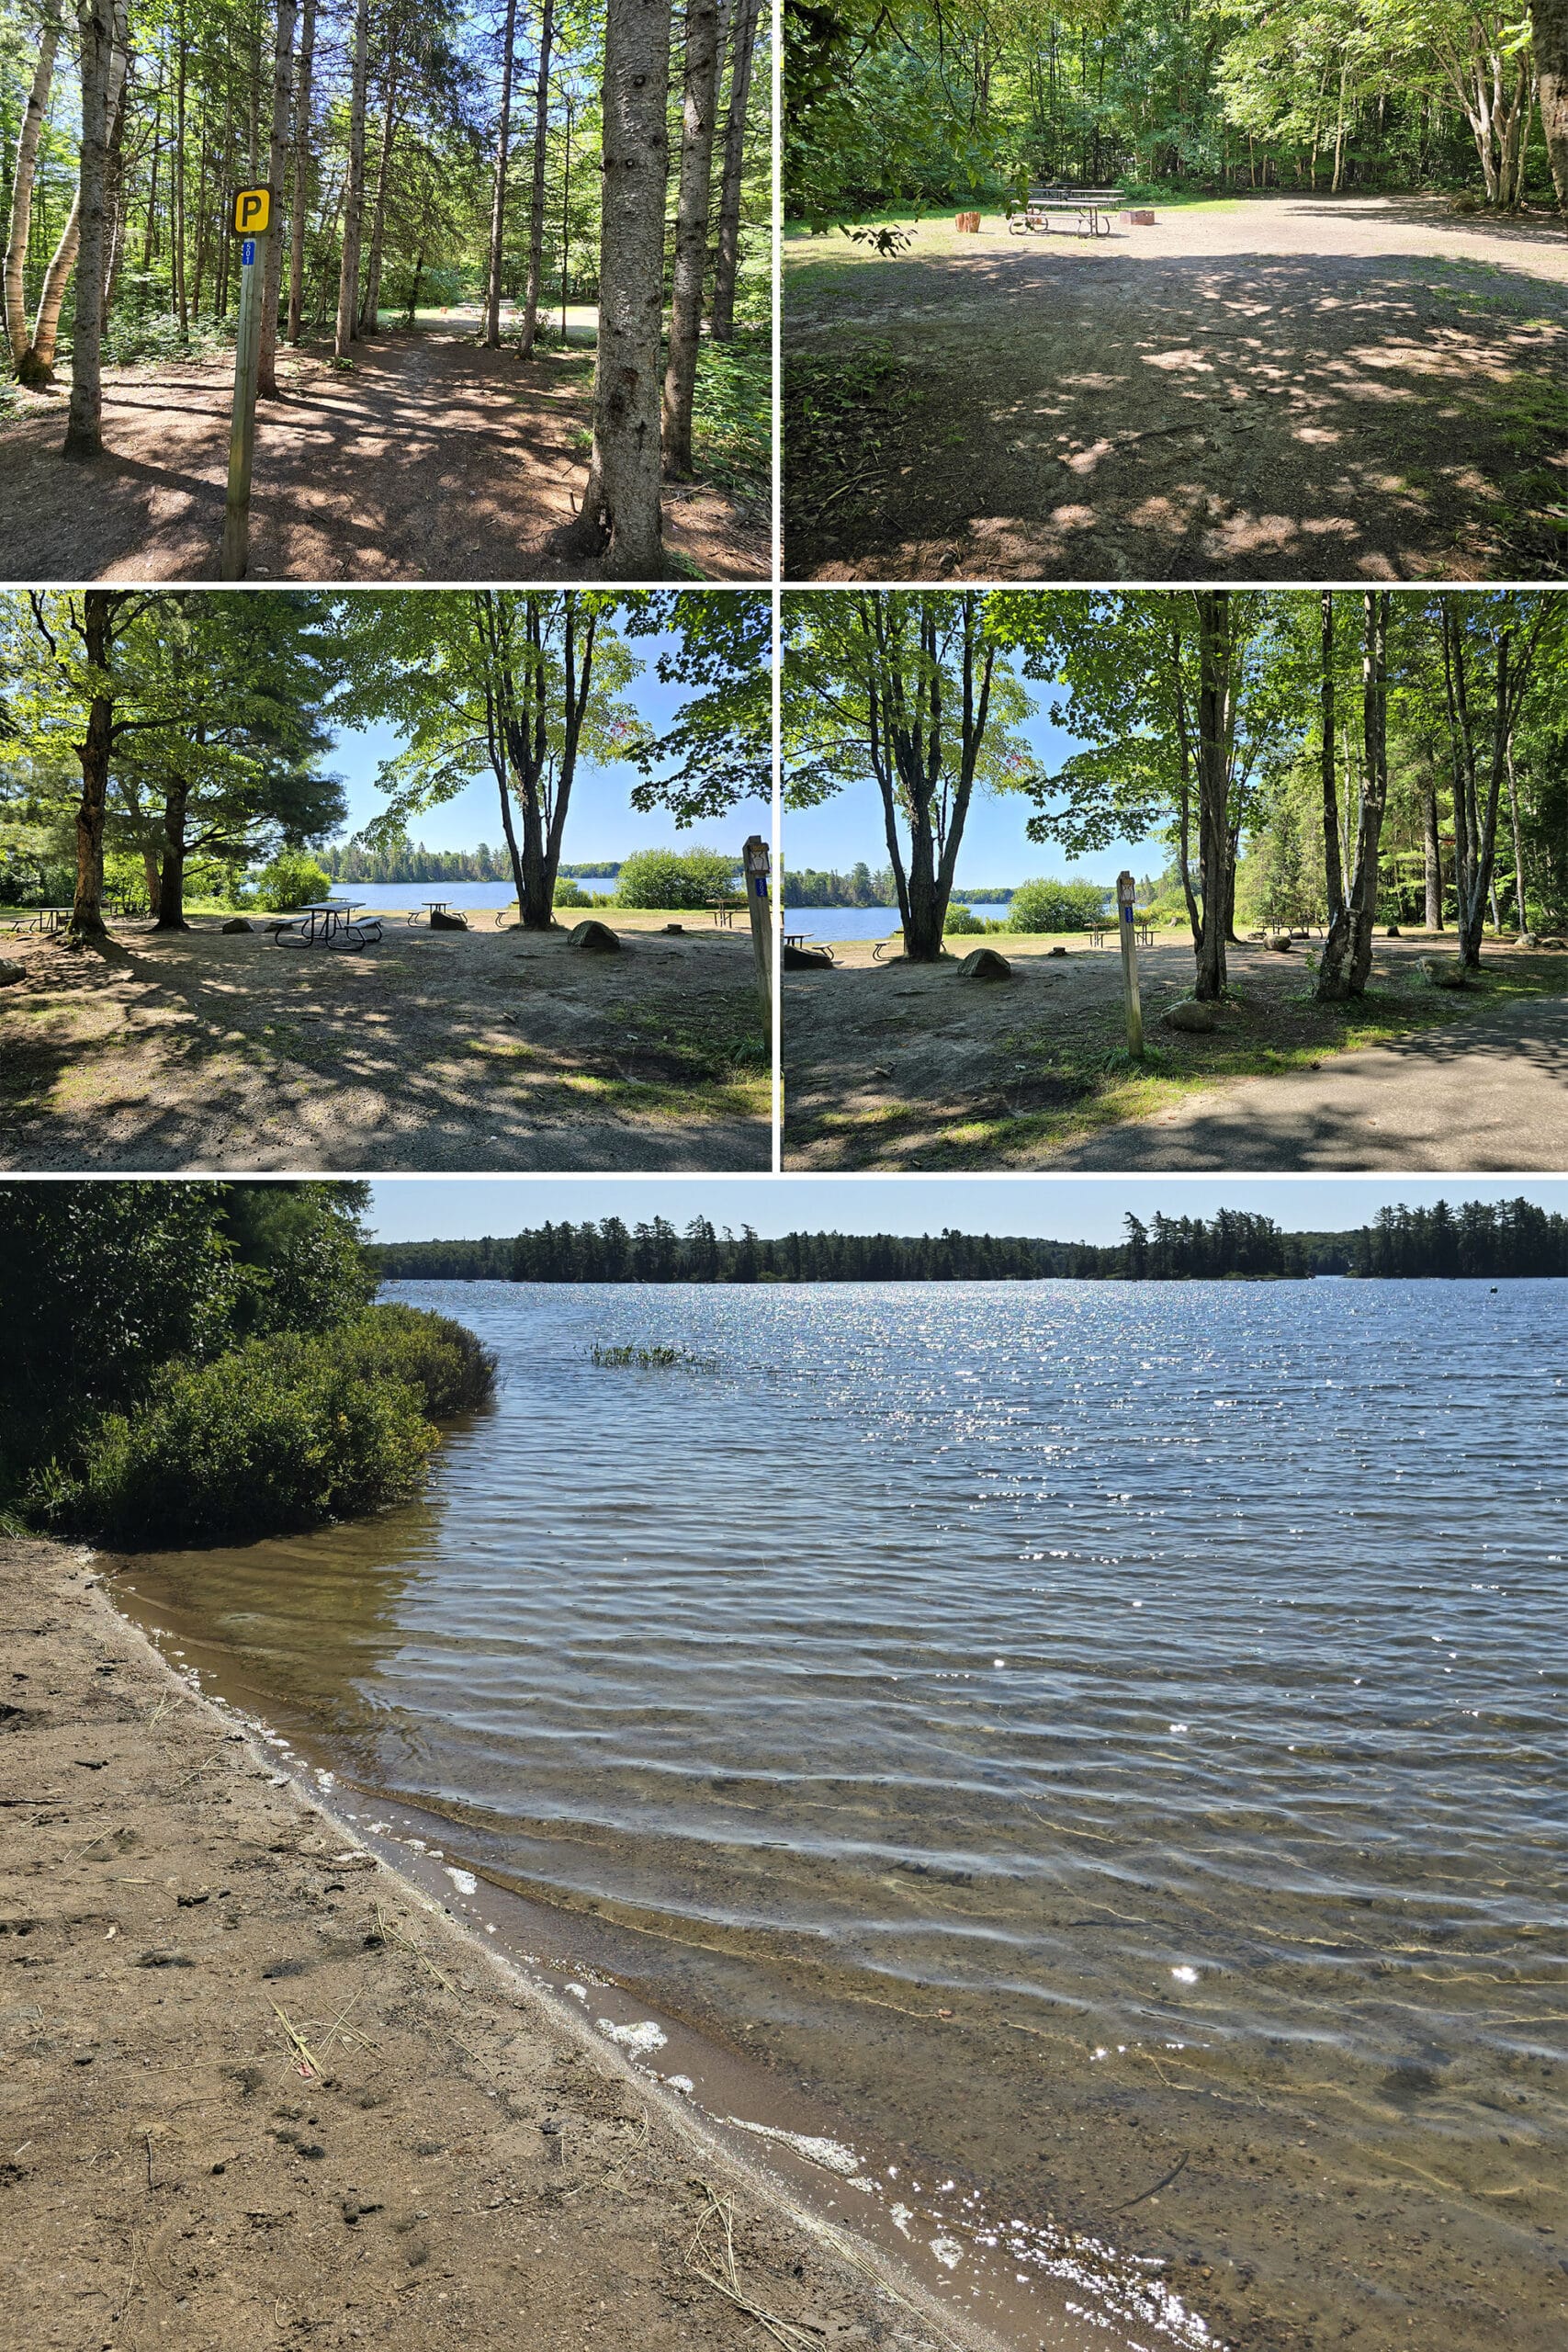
(253, 211)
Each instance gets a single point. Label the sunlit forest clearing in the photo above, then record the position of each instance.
(1318, 328)
(439, 261)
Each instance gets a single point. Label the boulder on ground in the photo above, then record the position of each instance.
(674, 931)
(11, 973)
(1527, 939)
(1392, 932)
(1444, 971)
(235, 922)
(594, 939)
(1057, 951)
(807, 959)
(985, 964)
(1553, 943)
(440, 920)
(1280, 941)
(1197, 1020)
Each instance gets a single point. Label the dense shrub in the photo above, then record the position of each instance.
(1056, 906)
(281, 1434)
(573, 894)
(293, 879)
(962, 921)
(676, 877)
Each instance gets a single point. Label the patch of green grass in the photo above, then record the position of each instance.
(732, 413)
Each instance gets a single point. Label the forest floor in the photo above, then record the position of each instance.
(1286, 388)
(428, 458)
(455, 2163)
(476, 1050)
(898, 1066)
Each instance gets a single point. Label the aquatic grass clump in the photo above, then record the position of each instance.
(281, 1434)
(653, 1360)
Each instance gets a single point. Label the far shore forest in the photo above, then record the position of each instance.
(1476, 1240)
(897, 109)
(1335, 758)
(159, 749)
(421, 157)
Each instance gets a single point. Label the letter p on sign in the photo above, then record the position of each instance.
(253, 211)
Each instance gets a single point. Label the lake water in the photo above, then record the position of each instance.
(864, 923)
(1105, 1745)
(462, 896)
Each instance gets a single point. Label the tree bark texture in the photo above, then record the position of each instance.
(22, 182)
(84, 424)
(276, 171)
(1215, 688)
(498, 197)
(699, 108)
(743, 43)
(536, 194)
(354, 205)
(301, 171)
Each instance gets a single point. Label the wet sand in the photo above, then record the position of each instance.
(260, 2089)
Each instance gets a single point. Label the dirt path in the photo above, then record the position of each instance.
(429, 459)
(1490, 1095)
(895, 1066)
(476, 1050)
(1296, 388)
(462, 2164)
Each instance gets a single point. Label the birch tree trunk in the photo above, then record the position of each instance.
(301, 171)
(1432, 845)
(1332, 865)
(537, 196)
(1214, 687)
(277, 168)
(620, 518)
(497, 200)
(699, 107)
(22, 186)
(354, 202)
(743, 43)
(36, 366)
(84, 425)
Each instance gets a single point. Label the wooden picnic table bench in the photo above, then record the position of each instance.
(1093, 206)
(330, 922)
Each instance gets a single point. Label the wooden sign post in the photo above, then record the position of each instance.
(1126, 922)
(251, 220)
(755, 865)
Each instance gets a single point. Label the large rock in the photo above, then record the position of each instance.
(1444, 971)
(440, 920)
(807, 959)
(985, 964)
(1197, 1020)
(1527, 939)
(1392, 932)
(235, 922)
(1280, 941)
(594, 939)
(11, 973)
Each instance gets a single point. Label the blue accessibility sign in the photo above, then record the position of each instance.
(247, 249)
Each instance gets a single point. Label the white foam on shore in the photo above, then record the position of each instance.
(831, 2154)
(644, 2037)
(463, 1881)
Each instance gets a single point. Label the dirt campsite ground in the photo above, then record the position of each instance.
(896, 1066)
(427, 459)
(455, 2162)
(434, 1051)
(1287, 388)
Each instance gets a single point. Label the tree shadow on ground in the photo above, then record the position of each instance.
(1184, 417)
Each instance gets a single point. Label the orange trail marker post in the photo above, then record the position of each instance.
(251, 221)
(755, 863)
(1126, 922)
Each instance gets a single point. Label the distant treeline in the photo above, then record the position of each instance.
(813, 886)
(1475, 1240)
(412, 862)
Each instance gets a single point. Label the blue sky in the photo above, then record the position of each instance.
(996, 848)
(1070, 1208)
(601, 822)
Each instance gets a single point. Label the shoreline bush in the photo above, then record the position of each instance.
(280, 1434)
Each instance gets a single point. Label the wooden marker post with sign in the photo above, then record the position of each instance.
(755, 865)
(1126, 924)
(251, 221)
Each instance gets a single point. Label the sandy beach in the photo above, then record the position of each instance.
(261, 2090)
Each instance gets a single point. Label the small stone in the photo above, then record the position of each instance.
(985, 964)
(594, 939)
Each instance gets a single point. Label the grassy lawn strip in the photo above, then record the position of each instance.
(1098, 1086)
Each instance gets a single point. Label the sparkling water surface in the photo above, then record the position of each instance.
(1079, 1729)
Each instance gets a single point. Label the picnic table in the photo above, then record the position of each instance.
(724, 911)
(49, 920)
(1093, 206)
(329, 922)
